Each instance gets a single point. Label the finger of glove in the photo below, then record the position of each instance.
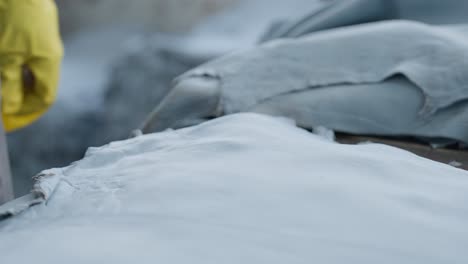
(46, 72)
(12, 84)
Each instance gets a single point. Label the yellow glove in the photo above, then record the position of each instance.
(29, 37)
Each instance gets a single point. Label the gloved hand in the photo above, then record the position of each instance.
(29, 41)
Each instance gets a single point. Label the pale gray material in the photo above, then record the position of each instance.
(336, 14)
(44, 187)
(433, 11)
(434, 58)
(339, 13)
(389, 108)
(340, 82)
(204, 94)
(6, 187)
(19, 205)
(245, 189)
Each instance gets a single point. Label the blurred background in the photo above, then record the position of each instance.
(120, 57)
(152, 15)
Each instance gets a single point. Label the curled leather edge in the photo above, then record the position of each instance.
(45, 184)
